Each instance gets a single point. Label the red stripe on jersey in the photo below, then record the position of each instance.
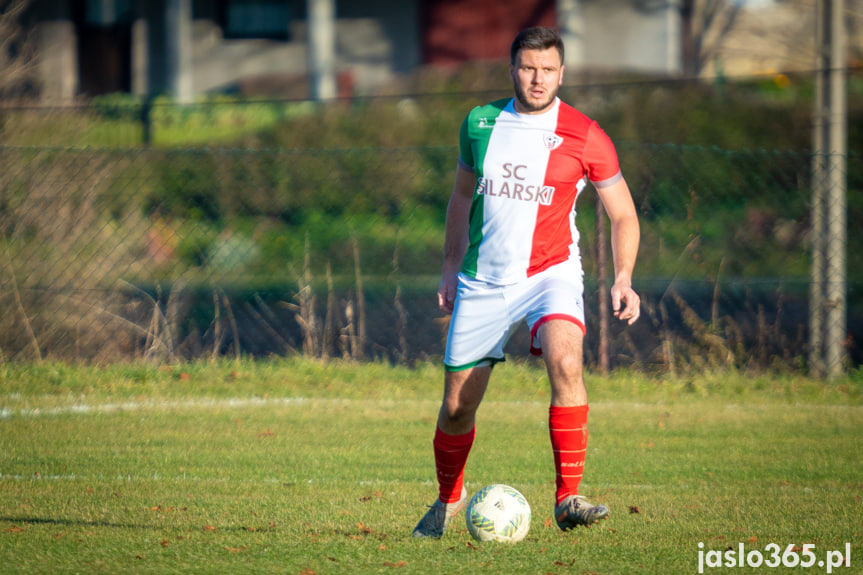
(552, 236)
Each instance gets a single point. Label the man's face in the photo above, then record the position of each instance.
(536, 77)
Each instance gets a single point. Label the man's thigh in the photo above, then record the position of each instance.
(479, 326)
(563, 351)
(556, 294)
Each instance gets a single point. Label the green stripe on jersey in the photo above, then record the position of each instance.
(473, 143)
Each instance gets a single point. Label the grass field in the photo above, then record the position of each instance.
(300, 467)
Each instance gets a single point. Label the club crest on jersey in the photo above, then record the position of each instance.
(552, 141)
(485, 123)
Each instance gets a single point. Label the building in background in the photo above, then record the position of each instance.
(322, 48)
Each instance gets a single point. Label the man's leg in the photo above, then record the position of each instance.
(463, 392)
(454, 435)
(562, 343)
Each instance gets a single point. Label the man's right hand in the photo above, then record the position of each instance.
(446, 291)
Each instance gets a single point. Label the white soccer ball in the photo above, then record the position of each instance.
(498, 513)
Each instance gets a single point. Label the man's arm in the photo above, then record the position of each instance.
(625, 237)
(455, 244)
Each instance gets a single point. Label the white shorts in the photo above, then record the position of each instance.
(485, 314)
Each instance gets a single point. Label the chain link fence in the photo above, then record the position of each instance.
(110, 254)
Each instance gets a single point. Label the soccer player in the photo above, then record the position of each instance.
(511, 255)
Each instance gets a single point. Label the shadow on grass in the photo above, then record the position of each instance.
(97, 523)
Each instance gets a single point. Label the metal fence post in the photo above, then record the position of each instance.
(827, 305)
(836, 210)
(147, 121)
(820, 135)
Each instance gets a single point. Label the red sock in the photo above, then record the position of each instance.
(450, 458)
(567, 427)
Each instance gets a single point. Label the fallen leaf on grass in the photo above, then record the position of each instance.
(563, 564)
(209, 528)
(235, 549)
(398, 564)
(165, 543)
(634, 509)
(468, 544)
(366, 530)
(547, 523)
(15, 529)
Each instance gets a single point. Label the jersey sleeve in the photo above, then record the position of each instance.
(465, 152)
(600, 157)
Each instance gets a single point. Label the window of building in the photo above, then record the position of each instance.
(107, 13)
(257, 19)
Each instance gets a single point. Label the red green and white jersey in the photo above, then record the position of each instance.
(529, 168)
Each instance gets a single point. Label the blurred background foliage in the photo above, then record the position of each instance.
(264, 201)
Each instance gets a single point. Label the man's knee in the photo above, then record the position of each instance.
(463, 394)
(567, 381)
(455, 410)
(567, 366)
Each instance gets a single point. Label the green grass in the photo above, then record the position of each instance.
(295, 466)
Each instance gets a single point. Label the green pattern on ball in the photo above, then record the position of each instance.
(505, 496)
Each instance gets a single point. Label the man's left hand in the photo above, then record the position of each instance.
(625, 303)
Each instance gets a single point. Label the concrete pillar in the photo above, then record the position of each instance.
(58, 66)
(322, 48)
(570, 21)
(140, 58)
(674, 44)
(178, 25)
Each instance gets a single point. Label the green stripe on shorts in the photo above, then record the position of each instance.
(479, 363)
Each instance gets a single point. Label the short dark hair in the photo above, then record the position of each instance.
(536, 38)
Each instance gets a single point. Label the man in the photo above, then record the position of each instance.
(511, 254)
